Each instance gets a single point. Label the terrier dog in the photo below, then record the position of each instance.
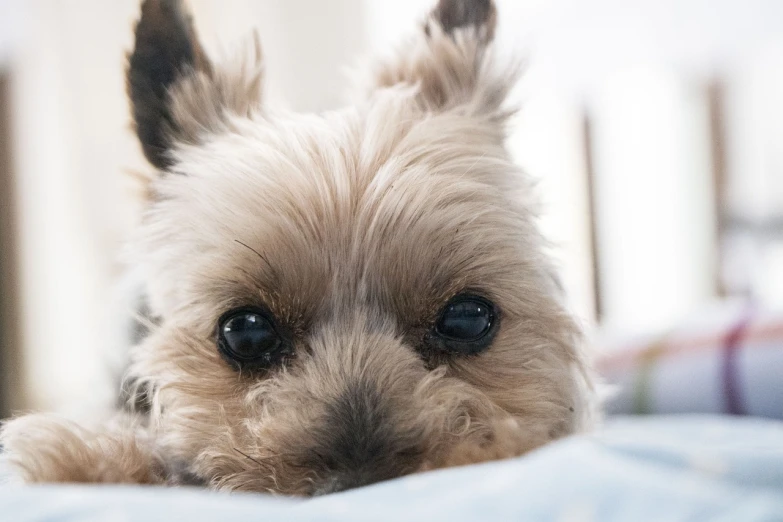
(342, 298)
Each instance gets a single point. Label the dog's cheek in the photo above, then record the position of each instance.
(197, 396)
(528, 372)
(499, 439)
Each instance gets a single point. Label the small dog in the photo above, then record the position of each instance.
(343, 298)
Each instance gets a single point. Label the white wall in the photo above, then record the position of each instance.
(72, 145)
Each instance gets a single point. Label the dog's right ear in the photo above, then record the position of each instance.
(450, 63)
(177, 95)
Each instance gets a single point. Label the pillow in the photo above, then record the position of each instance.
(727, 360)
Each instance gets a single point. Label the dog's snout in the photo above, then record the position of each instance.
(344, 482)
(360, 443)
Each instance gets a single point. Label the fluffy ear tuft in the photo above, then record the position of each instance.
(176, 93)
(449, 62)
(456, 14)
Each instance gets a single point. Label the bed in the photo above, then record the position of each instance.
(654, 468)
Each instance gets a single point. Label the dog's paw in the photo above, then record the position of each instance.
(45, 448)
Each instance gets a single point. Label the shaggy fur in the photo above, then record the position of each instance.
(353, 228)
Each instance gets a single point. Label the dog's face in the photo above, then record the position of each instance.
(347, 297)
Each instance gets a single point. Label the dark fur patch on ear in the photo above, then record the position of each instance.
(454, 14)
(166, 49)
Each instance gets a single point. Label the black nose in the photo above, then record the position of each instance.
(360, 443)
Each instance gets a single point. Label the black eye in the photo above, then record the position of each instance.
(247, 337)
(467, 324)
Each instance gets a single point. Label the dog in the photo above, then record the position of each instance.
(340, 298)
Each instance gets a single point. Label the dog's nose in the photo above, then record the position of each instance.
(359, 442)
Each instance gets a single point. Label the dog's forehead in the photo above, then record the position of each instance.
(373, 205)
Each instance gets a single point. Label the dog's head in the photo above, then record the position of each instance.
(351, 296)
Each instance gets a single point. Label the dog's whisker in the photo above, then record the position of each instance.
(256, 252)
(248, 456)
(259, 460)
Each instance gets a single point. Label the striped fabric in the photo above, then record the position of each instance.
(727, 361)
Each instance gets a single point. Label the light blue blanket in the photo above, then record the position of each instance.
(635, 469)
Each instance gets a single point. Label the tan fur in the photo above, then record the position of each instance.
(202, 102)
(45, 448)
(354, 228)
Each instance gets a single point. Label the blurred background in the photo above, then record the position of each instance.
(655, 128)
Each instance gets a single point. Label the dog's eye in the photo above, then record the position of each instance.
(248, 337)
(466, 324)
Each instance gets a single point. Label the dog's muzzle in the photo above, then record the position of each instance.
(359, 442)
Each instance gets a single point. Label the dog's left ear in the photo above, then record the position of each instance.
(177, 94)
(449, 62)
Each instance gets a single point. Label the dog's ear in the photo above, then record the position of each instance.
(177, 95)
(449, 60)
